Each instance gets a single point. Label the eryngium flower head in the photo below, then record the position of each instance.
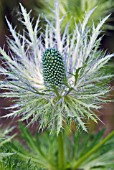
(53, 68)
(55, 78)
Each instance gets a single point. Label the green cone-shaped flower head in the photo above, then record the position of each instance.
(53, 68)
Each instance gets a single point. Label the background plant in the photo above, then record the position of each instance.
(41, 151)
(4, 138)
(74, 10)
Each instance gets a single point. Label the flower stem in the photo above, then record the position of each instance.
(94, 149)
(60, 152)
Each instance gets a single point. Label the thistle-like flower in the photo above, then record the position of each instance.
(55, 78)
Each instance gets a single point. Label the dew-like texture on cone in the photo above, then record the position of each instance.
(53, 68)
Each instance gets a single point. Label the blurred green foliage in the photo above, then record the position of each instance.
(74, 10)
(81, 151)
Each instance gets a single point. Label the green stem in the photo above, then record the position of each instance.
(61, 152)
(94, 149)
(56, 92)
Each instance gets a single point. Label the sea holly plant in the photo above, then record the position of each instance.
(55, 79)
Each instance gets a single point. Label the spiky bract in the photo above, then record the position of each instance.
(83, 67)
